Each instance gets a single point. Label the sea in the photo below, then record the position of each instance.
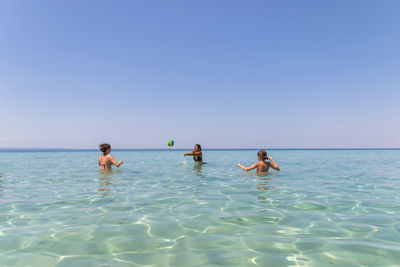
(325, 207)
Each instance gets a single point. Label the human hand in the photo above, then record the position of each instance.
(120, 162)
(239, 165)
(269, 158)
(185, 154)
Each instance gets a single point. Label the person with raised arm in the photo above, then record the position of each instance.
(106, 160)
(196, 153)
(262, 166)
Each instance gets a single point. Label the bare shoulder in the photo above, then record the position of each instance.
(105, 157)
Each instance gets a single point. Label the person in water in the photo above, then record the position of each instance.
(196, 153)
(262, 166)
(106, 160)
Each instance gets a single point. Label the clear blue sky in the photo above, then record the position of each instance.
(225, 74)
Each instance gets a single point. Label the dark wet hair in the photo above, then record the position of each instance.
(199, 146)
(262, 154)
(104, 148)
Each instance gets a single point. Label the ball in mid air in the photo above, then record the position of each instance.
(171, 143)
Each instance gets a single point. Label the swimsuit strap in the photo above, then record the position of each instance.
(198, 157)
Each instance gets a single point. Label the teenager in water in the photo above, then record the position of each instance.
(196, 153)
(262, 166)
(106, 160)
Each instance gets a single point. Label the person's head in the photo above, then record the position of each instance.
(105, 148)
(262, 155)
(197, 147)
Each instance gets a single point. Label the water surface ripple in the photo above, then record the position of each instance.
(338, 207)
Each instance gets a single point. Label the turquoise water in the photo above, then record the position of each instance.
(325, 207)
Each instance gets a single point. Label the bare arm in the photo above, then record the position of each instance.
(248, 168)
(114, 162)
(192, 153)
(273, 164)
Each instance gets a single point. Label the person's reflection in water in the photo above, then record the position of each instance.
(105, 180)
(197, 167)
(263, 182)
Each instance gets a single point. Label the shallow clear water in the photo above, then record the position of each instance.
(338, 207)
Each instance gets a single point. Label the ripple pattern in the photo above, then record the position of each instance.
(325, 207)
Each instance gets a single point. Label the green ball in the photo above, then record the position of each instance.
(171, 143)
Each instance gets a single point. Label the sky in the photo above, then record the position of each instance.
(225, 74)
